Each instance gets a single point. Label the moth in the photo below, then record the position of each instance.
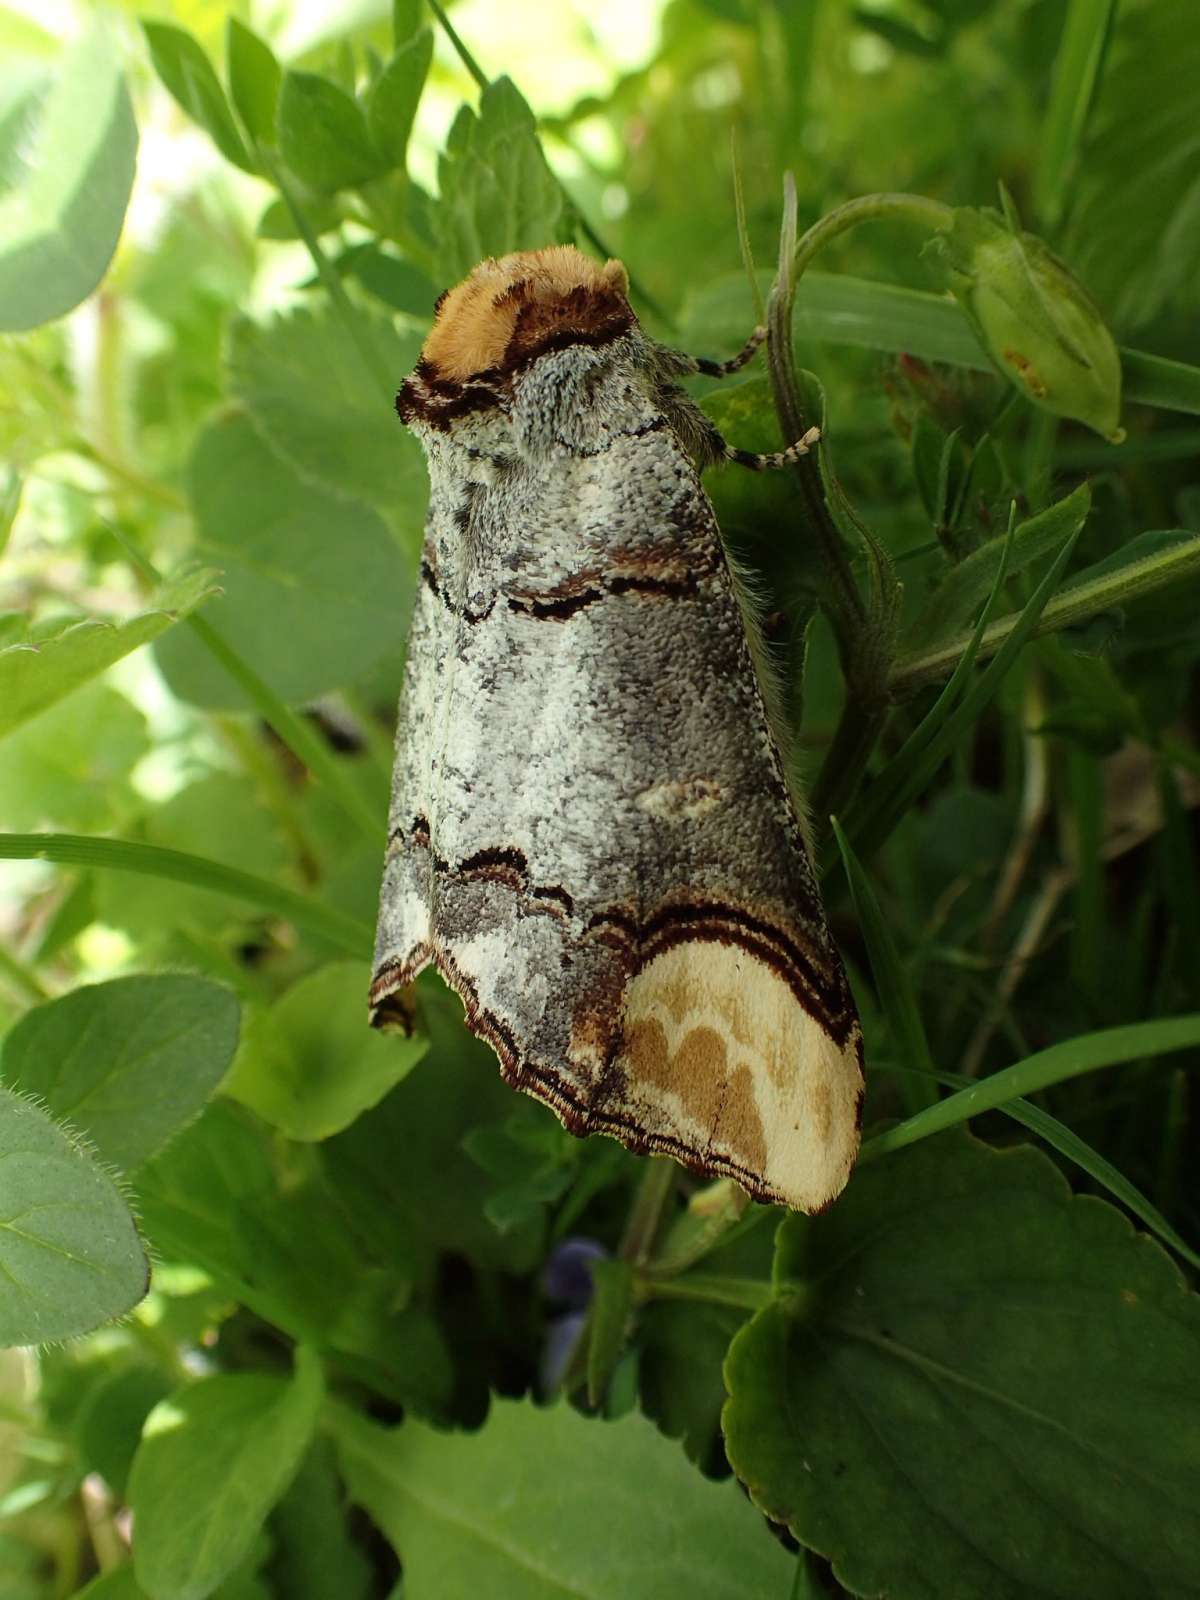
(591, 836)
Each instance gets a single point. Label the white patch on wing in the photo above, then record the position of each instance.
(680, 800)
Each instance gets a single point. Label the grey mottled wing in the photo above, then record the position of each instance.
(591, 835)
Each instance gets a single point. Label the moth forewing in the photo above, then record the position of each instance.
(591, 834)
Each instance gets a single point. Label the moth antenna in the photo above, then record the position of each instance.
(771, 460)
(723, 369)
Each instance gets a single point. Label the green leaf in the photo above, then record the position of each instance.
(214, 1458)
(11, 485)
(497, 193)
(188, 74)
(122, 855)
(1134, 224)
(397, 283)
(48, 662)
(218, 817)
(896, 996)
(60, 222)
(973, 1384)
(545, 1505)
(316, 1557)
(1077, 69)
(406, 19)
(438, 1193)
(70, 766)
(70, 1256)
(309, 1066)
(884, 316)
(395, 96)
(1070, 1059)
(315, 591)
(309, 395)
(966, 586)
(1068, 1143)
(128, 1063)
(609, 1320)
(254, 79)
(272, 1234)
(1151, 563)
(109, 1426)
(959, 705)
(323, 134)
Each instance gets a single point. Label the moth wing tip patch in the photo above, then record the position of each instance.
(740, 1077)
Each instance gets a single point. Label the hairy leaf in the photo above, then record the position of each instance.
(128, 1063)
(70, 1256)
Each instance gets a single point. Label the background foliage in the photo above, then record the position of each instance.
(373, 1266)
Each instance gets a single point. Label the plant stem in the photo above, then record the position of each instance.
(21, 977)
(714, 1288)
(649, 1204)
(863, 636)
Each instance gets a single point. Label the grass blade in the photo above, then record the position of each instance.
(891, 980)
(1077, 69)
(1071, 1059)
(123, 855)
(1068, 1143)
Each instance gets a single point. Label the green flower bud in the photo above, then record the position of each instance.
(1034, 318)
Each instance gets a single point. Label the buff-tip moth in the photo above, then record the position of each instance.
(591, 835)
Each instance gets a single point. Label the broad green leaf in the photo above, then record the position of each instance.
(62, 203)
(48, 662)
(315, 1556)
(497, 193)
(437, 1194)
(214, 1459)
(395, 96)
(308, 393)
(69, 767)
(315, 590)
(406, 19)
(1068, 1143)
(254, 78)
(973, 1384)
(323, 134)
(309, 1066)
(128, 1063)
(682, 1343)
(122, 1584)
(397, 283)
(109, 1427)
(274, 1236)
(188, 74)
(966, 586)
(546, 1505)
(70, 1256)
